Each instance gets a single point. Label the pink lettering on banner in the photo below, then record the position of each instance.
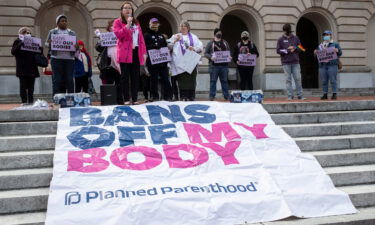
(174, 159)
(194, 132)
(257, 130)
(119, 157)
(77, 159)
(227, 152)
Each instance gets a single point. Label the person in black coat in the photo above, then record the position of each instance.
(26, 68)
(155, 40)
(245, 46)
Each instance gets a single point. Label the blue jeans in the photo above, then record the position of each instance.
(220, 72)
(328, 73)
(295, 71)
(62, 75)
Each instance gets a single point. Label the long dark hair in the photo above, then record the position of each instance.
(135, 20)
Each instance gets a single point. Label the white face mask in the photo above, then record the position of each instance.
(21, 36)
(28, 35)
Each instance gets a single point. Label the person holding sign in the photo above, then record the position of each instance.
(26, 68)
(245, 55)
(61, 42)
(328, 53)
(185, 58)
(157, 61)
(218, 53)
(287, 48)
(131, 51)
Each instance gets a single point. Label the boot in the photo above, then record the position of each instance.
(334, 96)
(324, 97)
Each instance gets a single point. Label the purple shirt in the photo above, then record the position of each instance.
(288, 57)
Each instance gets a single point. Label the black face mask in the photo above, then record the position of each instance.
(245, 38)
(219, 36)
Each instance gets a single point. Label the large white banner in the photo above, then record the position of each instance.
(181, 163)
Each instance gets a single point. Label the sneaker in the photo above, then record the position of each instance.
(301, 98)
(127, 103)
(334, 96)
(290, 98)
(212, 98)
(324, 97)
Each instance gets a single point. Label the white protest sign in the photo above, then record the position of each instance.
(188, 61)
(108, 39)
(221, 56)
(247, 60)
(158, 56)
(181, 163)
(31, 44)
(61, 42)
(326, 55)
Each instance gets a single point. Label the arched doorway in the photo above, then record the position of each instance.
(165, 26)
(78, 20)
(232, 24)
(371, 44)
(308, 35)
(310, 28)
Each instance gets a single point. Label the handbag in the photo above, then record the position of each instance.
(41, 60)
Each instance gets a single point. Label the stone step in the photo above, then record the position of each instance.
(351, 175)
(23, 200)
(25, 178)
(28, 115)
(323, 117)
(26, 159)
(336, 142)
(319, 106)
(28, 128)
(329, 129)
(33, 218)
(345, 157)
(28, 200)
(365, 216)
(28, 142)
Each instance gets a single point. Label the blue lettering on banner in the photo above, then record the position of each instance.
(200, 117)
(77, 116)
(127, 135)
(159, 135)
(77, 138)
(131, 116)
(173, 115)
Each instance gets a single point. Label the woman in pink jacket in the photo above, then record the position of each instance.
(131, 51)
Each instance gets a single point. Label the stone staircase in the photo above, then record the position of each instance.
(341, 135)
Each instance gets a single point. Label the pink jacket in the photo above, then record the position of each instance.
(125, 43)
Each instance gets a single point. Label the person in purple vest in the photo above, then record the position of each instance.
(288, 49)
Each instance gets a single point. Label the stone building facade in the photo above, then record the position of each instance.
(352, 22)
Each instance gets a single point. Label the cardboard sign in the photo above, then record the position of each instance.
(31, 44)
(179, 163)
(247, 60)
(108, 39)
(158, 56)
(61, 42)
(222, 56)
(326, 55)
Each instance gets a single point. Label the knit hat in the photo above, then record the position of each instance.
(59, 17)
(245, 34)
(23, 30)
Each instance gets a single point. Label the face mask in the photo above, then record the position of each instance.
(219, 35)
(326, 38)
(245, 38)
(28, 35)
(21, 36)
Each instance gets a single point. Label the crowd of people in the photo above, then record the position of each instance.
(128, 64)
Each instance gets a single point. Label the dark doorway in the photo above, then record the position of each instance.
(232, 27)
(308, 34)
(165, 26)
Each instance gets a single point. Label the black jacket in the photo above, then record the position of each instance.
(154, 40)
(250, 46)
(104, 60)
(25, 62)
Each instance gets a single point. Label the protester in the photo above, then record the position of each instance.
(328, 70)
(82, 69)
(245, 46)
(26, 68)
(155, 40)
(131, 51)
(108, 66)
(181, 43)
(145, 83)
(62, 62)
(289, 47)
(217, 69)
